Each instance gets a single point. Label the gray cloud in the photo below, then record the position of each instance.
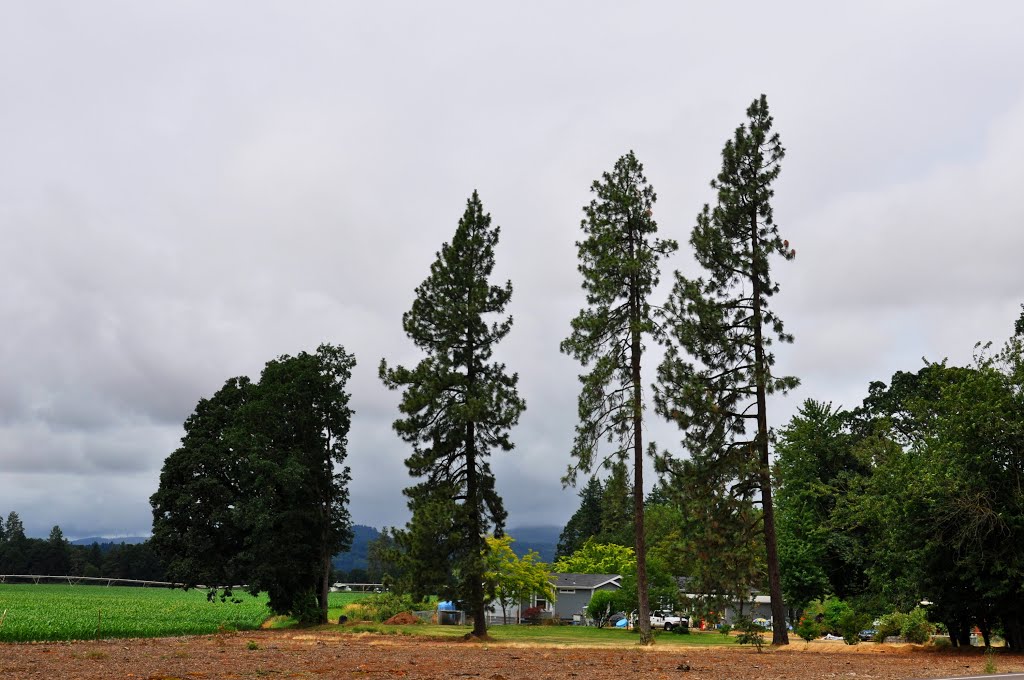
(187, 191)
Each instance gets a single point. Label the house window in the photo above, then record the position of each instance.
(566, 591)
(541, 603)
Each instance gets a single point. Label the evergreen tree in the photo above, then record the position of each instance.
(723, 322)
(15, 531)
(55, 554)
(458, 405)
(617, 512)
(584, 523)
(618, 259)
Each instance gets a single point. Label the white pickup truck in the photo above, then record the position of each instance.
(667, 620)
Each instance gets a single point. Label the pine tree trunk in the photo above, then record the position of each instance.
(325, 587)
(476, 586)
(643, 606)
(780, 635)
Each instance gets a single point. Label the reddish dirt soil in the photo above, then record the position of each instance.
(329, 654)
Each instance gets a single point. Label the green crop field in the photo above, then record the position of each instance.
(66, 612)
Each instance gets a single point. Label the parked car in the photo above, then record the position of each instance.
(867, 634)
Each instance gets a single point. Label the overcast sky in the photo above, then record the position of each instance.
(189, 189)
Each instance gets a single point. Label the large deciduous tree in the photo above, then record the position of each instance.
(511, 579)
(458, 406)
(618, 258)
(819, 460)
(717, 372)
(257, 493)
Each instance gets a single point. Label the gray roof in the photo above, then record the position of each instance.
(585, 581)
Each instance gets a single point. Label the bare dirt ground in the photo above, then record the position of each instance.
(326, 654)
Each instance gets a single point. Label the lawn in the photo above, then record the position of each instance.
(548, 635)
(31, 612)
(80, 612)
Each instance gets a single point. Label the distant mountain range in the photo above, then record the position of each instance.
(117, 540)
(542, 539)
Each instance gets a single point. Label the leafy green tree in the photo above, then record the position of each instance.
(585, 522)
(198, 523)
(662, 588)
(817, 461)
(510, 579)
(458, 405)
(598, 558)
(257, 492)
(717, 372)
(618, 259)
(299, 434)
(387, 558)
(602, 605)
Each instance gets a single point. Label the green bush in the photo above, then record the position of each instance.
(916, 627)
(603, 604)
(807, 628)
(851, 623)
(725, 629)
(382, 606)
(913, 627)
(891, 625)
(750, 633)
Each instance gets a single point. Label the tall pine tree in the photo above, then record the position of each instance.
(723, 323)
(585, 522)
(618, 258)
(458, 405)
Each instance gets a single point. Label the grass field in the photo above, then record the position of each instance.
(65, 612)
(549, 635)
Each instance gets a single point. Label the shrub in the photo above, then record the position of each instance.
(382, 606)
(750, 633)
(601, 606)
(807, 628)
(725, 629)
(851, 623)
(531, 616)
(682, 629)
(833, 615)
(891, 625)
(916, 627)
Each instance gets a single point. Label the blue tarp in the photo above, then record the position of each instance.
(446, 606)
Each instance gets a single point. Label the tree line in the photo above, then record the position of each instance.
(257, 493)
(55, 556)
(915, 498)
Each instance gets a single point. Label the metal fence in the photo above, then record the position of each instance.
(91, 580)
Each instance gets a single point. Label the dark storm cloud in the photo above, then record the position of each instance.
(189, 190)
